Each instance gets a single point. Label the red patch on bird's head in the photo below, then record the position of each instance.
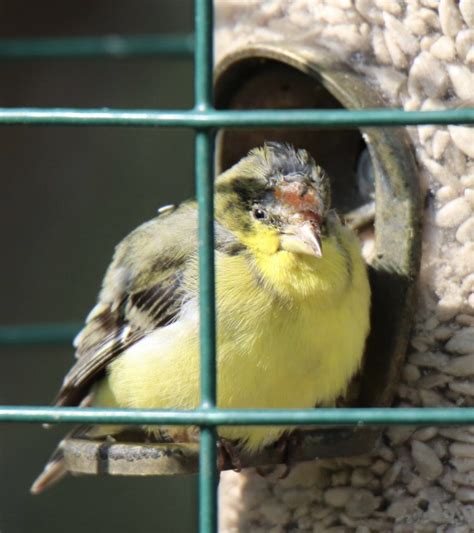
(303, 199)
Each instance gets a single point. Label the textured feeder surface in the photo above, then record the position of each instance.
(419, 55)
(138, 459)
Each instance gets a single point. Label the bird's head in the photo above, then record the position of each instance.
(276, 198)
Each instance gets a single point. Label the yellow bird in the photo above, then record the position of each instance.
(292, 298)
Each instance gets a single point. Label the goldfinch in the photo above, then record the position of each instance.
(292, 300)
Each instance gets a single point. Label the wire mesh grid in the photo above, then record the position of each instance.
(204, 119)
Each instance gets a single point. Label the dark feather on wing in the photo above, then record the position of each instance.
(111, 332)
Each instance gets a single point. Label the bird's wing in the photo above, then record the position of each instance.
(142, 291)
(114, 328)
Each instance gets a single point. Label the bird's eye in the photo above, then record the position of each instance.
(258, 213)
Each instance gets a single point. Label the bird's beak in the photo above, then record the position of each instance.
(302, 238)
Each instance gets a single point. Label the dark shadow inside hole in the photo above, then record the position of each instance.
(258, 84)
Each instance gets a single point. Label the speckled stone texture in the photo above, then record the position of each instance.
(420, 55)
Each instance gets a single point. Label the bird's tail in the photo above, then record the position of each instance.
(55, 468)
(53, 472)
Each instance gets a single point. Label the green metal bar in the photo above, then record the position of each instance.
(203, 62)
(204, 190)
(38, 334)
(203, 56)
(205, 193)
(330, 118)
(234, 417)
(208, 480)
(116, 46)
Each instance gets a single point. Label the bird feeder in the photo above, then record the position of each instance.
(374, 187)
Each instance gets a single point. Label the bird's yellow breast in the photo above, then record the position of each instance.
(305, 332)
(290, 334)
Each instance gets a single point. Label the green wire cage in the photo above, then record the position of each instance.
(204, 118)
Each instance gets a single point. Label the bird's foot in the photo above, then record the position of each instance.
(286, 446)
(228, 452)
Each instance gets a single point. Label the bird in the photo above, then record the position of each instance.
(292, 305)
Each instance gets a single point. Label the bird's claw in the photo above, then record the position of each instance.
(228, 452)
(286, 446)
